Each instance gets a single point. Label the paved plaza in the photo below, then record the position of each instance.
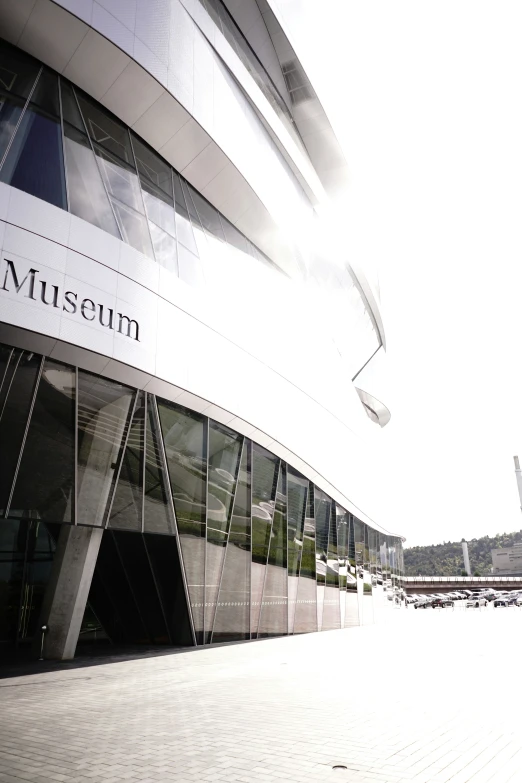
(426, 696)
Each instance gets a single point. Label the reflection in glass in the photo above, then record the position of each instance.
(156, 184)
(34, 162)
(273, 620)
(103, 413)
(322, 521)
(265, 471)
(297, 491)
(157, 514)
(18, 74)
(351, 616)
(342, 524)
(111, 142)
(232, 617)
(16, 394)
(27, 552)
(127, 505)
(224, 453)
(45, 481)
(306, 609)
(185, 438)
(184, 230)
(331, 610)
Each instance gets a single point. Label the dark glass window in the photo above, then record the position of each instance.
(16, 395)
(34, 162)
(185, 439)
(45, 482)
(18, 74)
(103, 413)
(26, 555)
(165, 564)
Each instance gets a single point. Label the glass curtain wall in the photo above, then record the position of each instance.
(208, 537)
(58, 144)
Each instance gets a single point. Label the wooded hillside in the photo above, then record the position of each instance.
(446, 559)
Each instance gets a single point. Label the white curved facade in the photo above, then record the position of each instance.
(267, 343)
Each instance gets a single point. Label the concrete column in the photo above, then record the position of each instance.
(68, 589)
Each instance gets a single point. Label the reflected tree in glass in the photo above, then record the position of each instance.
(265, 472)
(273, 620)
(305, 620)
(224, 454)
(232, 617)
(297, 492)
(185, 439)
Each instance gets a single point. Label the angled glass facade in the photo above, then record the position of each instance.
(58, 144)
(205, 535)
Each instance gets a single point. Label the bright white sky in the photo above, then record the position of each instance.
(426, 100)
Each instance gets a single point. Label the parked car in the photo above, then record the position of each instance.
(501, 600)
(423, 603)
(515, 599)
(441, 602)
(476, 602)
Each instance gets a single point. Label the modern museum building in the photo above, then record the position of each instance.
(190, 365)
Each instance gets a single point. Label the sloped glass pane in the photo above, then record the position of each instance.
(87, 196)
(265, 471)
(297, 490)
(351, 615)
(342, 518)
(156, 184)
(306, 607)
(322, 519)
(157, 512)
(15, 402)
(185, 439)
(232, 617)
(34, 162)
(359, 564)
(273, 620)
(18, 74)
(112, 146)
(208, 215)
(45, 482)
(126, 511)
(331, 610)
(224, 453)
(103, 414)
(183, 226)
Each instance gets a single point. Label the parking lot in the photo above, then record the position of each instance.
(466, 599)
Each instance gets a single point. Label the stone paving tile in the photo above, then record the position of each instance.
(420, 698)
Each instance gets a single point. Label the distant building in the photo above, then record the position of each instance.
(508, 561)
